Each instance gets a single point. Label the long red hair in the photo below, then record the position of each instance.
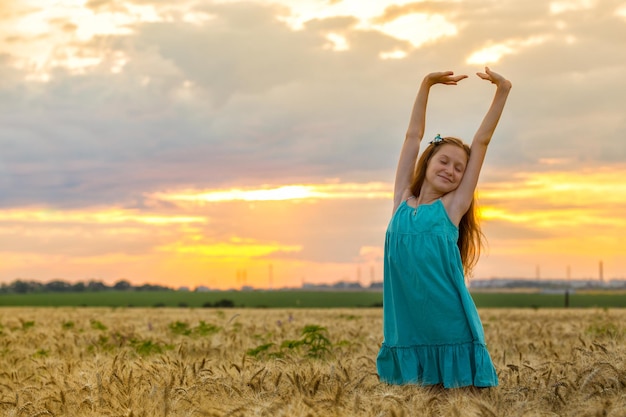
(471, 238)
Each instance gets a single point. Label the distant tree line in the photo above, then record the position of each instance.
(24, 287)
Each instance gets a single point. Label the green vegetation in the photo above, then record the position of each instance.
(221, 299)
(202, 329)
(292, 299)
(538, 300)
(313, 343)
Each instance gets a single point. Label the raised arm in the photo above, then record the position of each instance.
(463, 195)
(415, 133)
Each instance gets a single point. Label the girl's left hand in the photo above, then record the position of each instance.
(494, 77)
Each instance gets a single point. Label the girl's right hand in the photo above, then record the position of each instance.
(444, 77)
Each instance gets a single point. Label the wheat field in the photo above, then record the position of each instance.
(266, 362)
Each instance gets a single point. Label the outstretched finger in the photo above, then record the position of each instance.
(456, 79)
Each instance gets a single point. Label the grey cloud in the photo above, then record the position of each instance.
(566, 95)
(244, 50)
(268, 104)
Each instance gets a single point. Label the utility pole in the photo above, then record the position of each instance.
(601, 272)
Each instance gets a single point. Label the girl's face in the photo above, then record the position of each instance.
(446, 167)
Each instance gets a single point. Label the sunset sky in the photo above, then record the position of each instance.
(229, 143)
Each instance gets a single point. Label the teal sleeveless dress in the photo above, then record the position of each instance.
(432, 332)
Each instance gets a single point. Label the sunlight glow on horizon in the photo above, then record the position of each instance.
(591, 188)
(231, 250)
(566, 209)
(106, 216)
(372, 190)
(554, 218)
(555, 215)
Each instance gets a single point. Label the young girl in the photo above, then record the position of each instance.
(432, 332)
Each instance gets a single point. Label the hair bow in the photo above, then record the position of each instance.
(438, 139)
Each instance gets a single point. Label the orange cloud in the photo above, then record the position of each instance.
(557, 218)
(102, 216)
(549, 199)
(371, 190)
(550, 218)
(232, 250)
